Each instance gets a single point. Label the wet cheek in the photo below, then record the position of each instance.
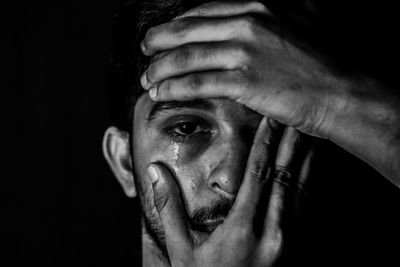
(191, 173)
(184, 162)
(192, 153)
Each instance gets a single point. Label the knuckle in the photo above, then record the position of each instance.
(247, 21)
(247, 25)
(182, 26)
(201, 10)
(262, 148)
(183, 56)
(282, 168)
(195, 81)
(241, 84)
(258, 171)
(245, 78)
(205, 53)
(164, 88)
(241, 54)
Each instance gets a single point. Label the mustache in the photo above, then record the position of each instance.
(219, 208)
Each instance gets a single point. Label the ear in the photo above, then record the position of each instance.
(117, 153)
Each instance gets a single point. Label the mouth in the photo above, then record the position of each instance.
(207, 226)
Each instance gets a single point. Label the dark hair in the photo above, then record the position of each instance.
(127, 61)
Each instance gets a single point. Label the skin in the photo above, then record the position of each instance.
(175, 177)
(206, 167)
(224, 50)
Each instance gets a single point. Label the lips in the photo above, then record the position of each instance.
(207, 225)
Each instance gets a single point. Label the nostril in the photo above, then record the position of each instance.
(224, 186)
(215, 186)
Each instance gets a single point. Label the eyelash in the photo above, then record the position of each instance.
(171, 131)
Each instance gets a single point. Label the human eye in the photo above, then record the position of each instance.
(186, 128)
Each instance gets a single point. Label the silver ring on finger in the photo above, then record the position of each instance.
(282, 175)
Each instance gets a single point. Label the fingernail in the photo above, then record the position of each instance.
(153, 173)
(153, 92)
(143, 80)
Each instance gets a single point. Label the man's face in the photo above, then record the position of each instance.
(204, 144)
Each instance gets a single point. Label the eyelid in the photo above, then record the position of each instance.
(185, 118)
(200, 124)
(169, 127)
(176, 127)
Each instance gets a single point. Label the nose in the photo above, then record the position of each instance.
(227, 163)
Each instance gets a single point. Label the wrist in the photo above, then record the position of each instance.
(335, 109)
(366, 122)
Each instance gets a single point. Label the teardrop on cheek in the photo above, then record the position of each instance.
(175, 154)
(191, 154)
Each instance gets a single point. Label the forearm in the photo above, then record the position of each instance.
(366, 122)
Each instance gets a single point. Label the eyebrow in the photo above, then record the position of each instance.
(159, 107)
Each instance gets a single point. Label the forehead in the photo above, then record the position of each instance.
(146, 109)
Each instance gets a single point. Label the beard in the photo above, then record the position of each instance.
(201, 222)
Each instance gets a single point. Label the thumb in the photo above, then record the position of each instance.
(168, 202)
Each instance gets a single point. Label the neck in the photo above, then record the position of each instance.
(152, 255)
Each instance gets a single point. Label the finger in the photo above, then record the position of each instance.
(306, 168)
(304, 175)
(195, 30)
(288, 151)
(258, 170)
(167, 200)
(225, 9)
(288, 154)
(211, 84)
(195, 58)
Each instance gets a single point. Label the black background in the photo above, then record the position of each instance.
(60, 204)
(63, 205)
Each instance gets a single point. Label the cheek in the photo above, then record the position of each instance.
(183, 160)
